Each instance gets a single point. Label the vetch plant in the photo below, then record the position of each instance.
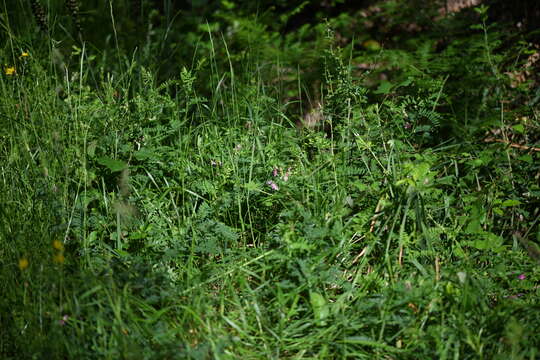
(272, 185)
(171, 208)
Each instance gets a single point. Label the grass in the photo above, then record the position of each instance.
(148, 221)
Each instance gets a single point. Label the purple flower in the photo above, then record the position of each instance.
(275, 172)
(63, 320)
(522, 277)
(273, 185)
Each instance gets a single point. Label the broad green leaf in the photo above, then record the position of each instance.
(519, 128)
(372, 45)
(526, 158)
(488, 241)
(144, 154)
(252, 186)
(384, 88)
(511, 202)
(113, 165)
(319, 305)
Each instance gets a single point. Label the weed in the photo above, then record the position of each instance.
(191, 218)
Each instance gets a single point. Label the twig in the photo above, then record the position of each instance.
(514, 145)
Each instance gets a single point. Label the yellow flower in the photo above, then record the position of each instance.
(23, 263)
(58, 245)
(59, 258)
(10, 70)
(25, 54)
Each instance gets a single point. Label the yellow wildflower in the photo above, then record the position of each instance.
(23, 263)
(59, 258)
(10, 70)
(58, 245)
(24, 54)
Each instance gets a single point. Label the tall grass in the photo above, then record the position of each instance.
(146, 220)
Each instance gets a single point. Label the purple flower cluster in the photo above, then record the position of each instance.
(284, 175)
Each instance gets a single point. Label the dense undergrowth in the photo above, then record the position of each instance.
(187, 213)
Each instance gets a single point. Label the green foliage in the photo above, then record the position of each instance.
(164, 203)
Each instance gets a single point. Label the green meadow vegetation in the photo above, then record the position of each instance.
(269, 180)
